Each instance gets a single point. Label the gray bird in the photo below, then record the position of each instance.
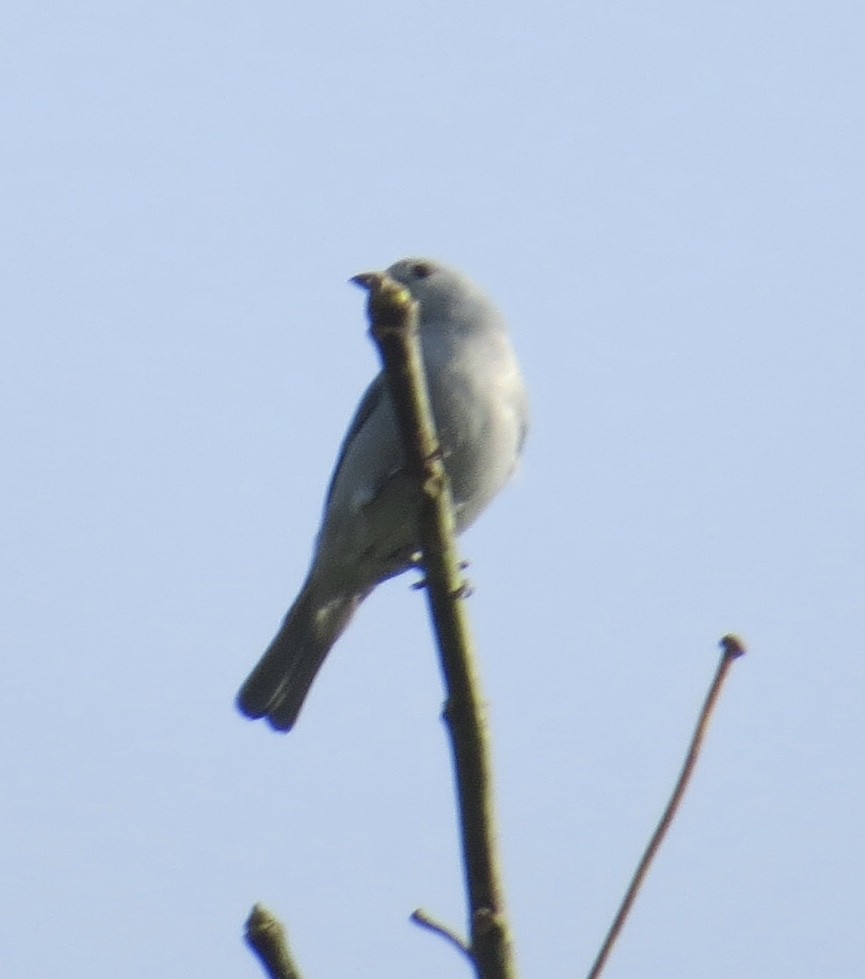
(368, 532)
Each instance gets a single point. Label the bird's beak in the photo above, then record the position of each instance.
(366, 280)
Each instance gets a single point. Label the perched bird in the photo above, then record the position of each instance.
(368, 532)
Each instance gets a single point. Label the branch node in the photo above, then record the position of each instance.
(486, 921)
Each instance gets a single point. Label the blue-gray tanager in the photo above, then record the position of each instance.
(368, 532)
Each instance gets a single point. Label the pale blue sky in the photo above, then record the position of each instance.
(667, 201)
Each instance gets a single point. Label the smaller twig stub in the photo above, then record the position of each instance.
(420, 917)
(266, 936)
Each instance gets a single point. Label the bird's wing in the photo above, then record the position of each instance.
(368, 404)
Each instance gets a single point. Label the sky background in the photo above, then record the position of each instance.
(667, 201)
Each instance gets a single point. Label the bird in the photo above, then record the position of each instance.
(368, 531)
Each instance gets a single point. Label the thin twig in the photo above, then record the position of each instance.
(266, 936)
(394, 327)
(420, 917)
(731, 648)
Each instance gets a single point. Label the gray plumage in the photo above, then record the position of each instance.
(368, 531)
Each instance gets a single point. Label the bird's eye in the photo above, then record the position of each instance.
(421, 270)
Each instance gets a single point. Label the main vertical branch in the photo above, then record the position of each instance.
(394, 327)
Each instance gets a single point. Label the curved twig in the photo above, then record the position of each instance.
(732, 648)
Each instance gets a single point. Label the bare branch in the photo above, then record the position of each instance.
(732, 647)
(394, 327)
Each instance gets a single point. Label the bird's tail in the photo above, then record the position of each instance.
(278, 685)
